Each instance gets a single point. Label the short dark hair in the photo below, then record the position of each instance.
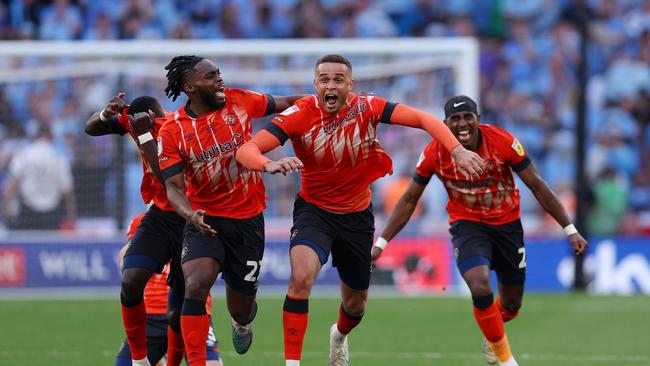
(176, 71)
(335, 58)
(144, 104)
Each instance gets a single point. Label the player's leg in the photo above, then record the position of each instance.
(309, 250)
(201, 262)
(134, 313)
(144, 256)
(176, 282)
(175, 344)
(473, 243)
(200, 274)
(509, 301)
(244, 245)
(351, 257)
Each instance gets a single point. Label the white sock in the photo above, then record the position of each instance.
(510, 362)
(293, 363)
(142, 362)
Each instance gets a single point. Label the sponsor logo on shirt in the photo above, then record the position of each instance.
(221, 149)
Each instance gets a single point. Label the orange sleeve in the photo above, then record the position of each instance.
(411, 117)
(250, 154)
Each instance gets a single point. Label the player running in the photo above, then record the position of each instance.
(221, 200)
(334, 135)
(155, 300)
(485, 218)
(158, 238)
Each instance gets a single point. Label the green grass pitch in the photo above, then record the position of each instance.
(552, 330)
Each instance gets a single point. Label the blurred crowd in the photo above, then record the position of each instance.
(529, 55)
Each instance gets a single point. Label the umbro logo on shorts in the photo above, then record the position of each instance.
(294, 233)
(184, 252)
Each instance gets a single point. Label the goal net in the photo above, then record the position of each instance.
(60, 84)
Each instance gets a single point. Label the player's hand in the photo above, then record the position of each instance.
(142, 122)
(115, 105)
(469, 162)
(285, 165)
(375, 253)
(578, 243)
(196, 219)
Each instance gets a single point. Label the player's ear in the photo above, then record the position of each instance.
(352, 83)
(188, 88)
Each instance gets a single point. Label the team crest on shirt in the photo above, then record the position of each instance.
(516, 145)
(230, 119)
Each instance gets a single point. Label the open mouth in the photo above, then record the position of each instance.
(220, 94)
(331, 99)
(464, 136)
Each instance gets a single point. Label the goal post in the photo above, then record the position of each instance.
(66, 81)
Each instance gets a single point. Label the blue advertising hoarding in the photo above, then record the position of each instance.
(614, 265)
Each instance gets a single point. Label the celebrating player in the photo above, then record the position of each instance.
(484, 216)
(155, 300)
(158, 238)
(334, 135)
(224, 201)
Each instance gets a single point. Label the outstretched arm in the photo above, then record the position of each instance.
(551, 204)
(398, 218)
(284, 102)
(175, 186)
(469, 162)
(251, 155)
(99, 123)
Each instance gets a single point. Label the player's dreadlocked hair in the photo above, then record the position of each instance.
(176, 70)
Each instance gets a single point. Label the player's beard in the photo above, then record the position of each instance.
(210, 100)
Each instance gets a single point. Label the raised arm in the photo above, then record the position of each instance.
(251, 155)
(551, 204)
(100, 123)
(469, 162)
(398, 218)
(142, 124)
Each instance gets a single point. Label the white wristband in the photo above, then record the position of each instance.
(570, 230)
(102, 117)
(145, 137)
(381, 243)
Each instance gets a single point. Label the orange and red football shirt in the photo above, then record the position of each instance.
(156, 290)
(493, 198)
(203, 148)
(151, 189)
(340, 151)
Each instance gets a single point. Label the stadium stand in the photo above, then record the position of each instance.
(529, 53)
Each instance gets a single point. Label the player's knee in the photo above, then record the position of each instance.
(133, 283)
(512, 305)
(301, 281)
(480, 288)
(196, 288)
(355, 306)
